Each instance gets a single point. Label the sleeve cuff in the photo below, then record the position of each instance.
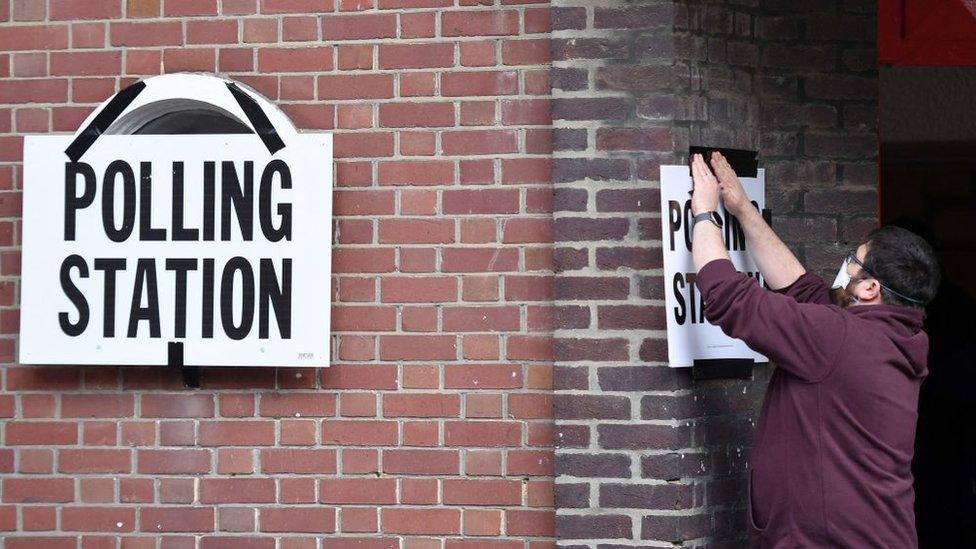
(714, 272)
(804, 278)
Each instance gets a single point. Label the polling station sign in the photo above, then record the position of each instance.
(690, 336)
(213, 247)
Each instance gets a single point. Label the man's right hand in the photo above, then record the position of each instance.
(733, 195)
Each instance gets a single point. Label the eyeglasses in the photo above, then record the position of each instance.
(852, 256)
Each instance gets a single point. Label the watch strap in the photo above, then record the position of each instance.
(705, 216)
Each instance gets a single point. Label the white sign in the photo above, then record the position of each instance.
(690, 335)
(209, 242)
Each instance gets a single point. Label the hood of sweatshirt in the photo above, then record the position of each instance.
(903, 327)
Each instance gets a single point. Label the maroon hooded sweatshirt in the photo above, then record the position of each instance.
(831, 458)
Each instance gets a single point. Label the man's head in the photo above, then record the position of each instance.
(895, 267)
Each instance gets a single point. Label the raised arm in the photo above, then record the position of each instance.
(776, 262)
(707, 244)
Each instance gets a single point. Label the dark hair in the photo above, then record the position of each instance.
(904, 264)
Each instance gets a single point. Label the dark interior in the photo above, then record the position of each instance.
(193, 121)
(928, 184)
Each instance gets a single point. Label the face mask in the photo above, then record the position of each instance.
(843, 277)
(840, 289)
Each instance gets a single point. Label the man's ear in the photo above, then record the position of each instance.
(870, 291)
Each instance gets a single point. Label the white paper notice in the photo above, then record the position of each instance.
(690, 335)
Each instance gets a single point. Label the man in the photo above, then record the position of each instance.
(831, 459)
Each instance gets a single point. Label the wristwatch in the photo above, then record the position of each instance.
(712, 216)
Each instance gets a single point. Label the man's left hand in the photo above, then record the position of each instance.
(705, 193)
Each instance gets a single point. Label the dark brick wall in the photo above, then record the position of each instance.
(645, 455)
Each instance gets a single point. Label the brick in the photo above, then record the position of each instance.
(211, 32)
(417, 25)
(471, 83)
(355, 56)
(674, 526)
(482, 433)
(416, 172)
(479, 23)
(417, 84)
(482, 522)
(177, 519)
(421, 521)
(34, 37)
(237, 433)
(530, 348)
(359, 26)
(360, 144)
(40, 433)
(589, 349)
(396, 4)
(632, 139)
(479, 259)
(480, 201)
(483, 376)
(260, 30)
(298, 461)
(176, 405)
(299, 29)
(170, 462)
(297, 404)
(416, 55)
(237, 490)
(416, 231)
(478, 54)
(525, 52)
(142, 8)
(527, 230)
(345, 376)
(426, 114)
(421, 462)
(37, 490)
(359, 86)
(94, 461)
(589, 48)
(571, 496)
(598, 169)
(31, 91)
(472, 142)
(642, 436)
(593, 527)
(421, 405)
(143, 61)
(180, 8)
(358, 491)
(482, 492)
(359, 433)
(418, 289)
(295, 59)
(590, 109)
(295, 6)
(98, 519)
(169, 33)
(298, 519)
(407, 347)
(40, 542)
(480, 319)
(22, 10)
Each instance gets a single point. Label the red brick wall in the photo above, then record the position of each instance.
(433, 427)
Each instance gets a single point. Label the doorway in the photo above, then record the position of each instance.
(928, 184)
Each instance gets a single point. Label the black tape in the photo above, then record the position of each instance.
(103, 120)
(175, 352)
(722, 368)
(258, 119)
(743, 162)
